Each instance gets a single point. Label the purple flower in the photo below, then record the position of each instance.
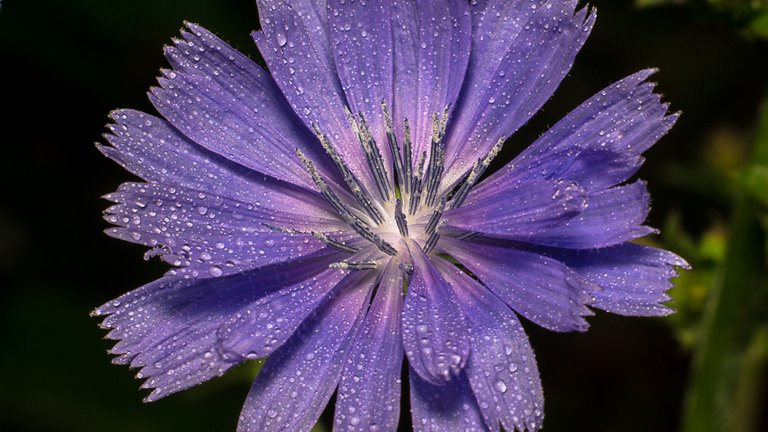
(333, 216)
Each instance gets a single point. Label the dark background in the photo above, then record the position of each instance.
(66, 64)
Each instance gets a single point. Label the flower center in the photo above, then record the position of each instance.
(408, 204)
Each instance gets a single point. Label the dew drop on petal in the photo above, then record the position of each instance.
(501, 386)
(281, 39)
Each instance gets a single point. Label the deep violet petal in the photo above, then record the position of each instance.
(297, 381)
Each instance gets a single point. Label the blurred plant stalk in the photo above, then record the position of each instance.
(726, 391)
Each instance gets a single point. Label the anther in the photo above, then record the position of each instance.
(477, 170)
(393, 147)
(372, 154)
(431, 242)
(417, 183)
(353, 221)
(402, 223)
(334, 244)
(407, 155)
(354, 265)
(435, 218)
(360, 194)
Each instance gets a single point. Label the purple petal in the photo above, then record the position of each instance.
(308, 81)
(502, 368)
(369, 391)
(210, 235)
(259, 328)
(634, 278)
(613, 216)
(361, 39)
(431, 51)
(521, 51)
(297, 381)
(542, 289)
(434, 334)
(225, 102)
(314, 16)
(610, 130)
(447, 407)
(152, 149)
(168, 327)
(522, 210)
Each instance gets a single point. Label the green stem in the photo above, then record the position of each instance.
(720, 393)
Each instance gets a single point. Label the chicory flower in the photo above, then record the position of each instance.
(336, 215)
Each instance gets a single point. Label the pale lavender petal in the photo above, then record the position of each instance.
(447, 407)
(634, 278)
(609, 131)
(521, 51)
(207, 234)
(308, 84)
(434, 334)
(361, 39)
(168, 327)
(541, 289)
(502, 368)
(613, 216)
(297, 381)
(521, 211)
(431, 43)
(152, 149)
(260, 327)
(369, 391)
(225, 102)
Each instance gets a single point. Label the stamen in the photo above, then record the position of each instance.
(477, 170)
(431, 242)
(417, 184)
(354, 265)
(436, 157)
(360, 194)
(435, 218)
(393, 147)
(402, 223)
(407, 155)
(329, 195)
(275, 228)
(468, 235)
(353, 221)
(372, 155)
(333, 243)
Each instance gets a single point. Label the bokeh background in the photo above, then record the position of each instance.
(65, 64)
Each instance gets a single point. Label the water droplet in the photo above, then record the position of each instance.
(501, 386)
(281, 39)
(215, 271)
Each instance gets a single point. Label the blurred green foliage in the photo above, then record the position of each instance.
(725, 394)
(751, 16)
